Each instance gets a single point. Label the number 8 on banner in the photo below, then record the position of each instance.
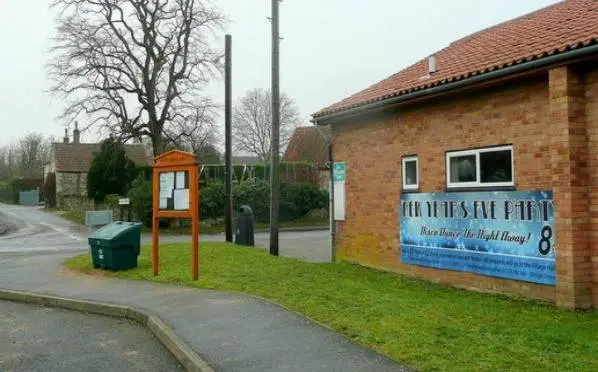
(545, 244)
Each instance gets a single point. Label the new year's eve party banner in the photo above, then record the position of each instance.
(505, 234)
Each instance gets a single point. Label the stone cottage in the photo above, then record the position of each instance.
(70, 161)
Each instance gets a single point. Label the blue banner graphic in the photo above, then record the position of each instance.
(504, 234)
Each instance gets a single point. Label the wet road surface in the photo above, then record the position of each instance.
(32, 231)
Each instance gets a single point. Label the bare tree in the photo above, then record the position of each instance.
(194, 134)
(136, 67)
(33, 152)
(4, 166)
(252, 122)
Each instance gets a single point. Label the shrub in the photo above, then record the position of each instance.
(300, 198)
(296, 200)
(211, 200)
(141, 199)
(111, 171)
(6, 194)
(255, 194)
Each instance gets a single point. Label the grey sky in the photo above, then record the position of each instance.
(331, 49)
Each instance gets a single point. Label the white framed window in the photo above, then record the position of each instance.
(410, 173)
(486, 167)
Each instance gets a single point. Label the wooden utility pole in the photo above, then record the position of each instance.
(228, 215)
(275, 143)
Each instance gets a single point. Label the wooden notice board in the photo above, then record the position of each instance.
(176, 195)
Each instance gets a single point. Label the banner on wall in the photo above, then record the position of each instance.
(504, 234)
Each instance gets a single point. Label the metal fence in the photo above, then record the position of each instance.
(291, 172)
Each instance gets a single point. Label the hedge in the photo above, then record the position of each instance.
(296, 199)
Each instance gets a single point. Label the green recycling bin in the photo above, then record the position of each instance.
(116, 246)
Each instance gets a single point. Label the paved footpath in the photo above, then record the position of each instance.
(232, 332)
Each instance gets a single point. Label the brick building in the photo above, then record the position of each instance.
(310, 145)
(477, 167)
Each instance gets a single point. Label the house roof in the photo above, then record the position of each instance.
(308, 144)
(77, 157)
(568, 25)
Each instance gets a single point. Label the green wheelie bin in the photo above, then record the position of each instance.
(116, 246)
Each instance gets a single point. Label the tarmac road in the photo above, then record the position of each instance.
(35, 338)
(33, 231)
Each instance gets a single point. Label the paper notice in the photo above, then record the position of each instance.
(180, 180)
(163, 203)
(166, 184)
(181, 199)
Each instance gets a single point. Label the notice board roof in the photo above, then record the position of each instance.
(175, 158)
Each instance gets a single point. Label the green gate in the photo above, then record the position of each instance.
(30, 197)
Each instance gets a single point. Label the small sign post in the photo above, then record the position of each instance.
(340, 171)
(339, 179)
(176, 195)
(124, 203)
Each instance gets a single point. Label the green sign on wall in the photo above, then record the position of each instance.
(340, 171)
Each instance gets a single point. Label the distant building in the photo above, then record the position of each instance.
(70, 161)
(310, 144)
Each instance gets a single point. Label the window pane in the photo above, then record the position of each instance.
(495, 166)
(410, 172)
(463, 169)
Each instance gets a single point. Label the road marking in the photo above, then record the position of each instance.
(61, 230)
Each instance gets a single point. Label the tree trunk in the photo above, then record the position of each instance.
(157, 144)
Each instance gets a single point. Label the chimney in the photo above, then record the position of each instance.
(66, 136)
(432, 64)
(76, 134)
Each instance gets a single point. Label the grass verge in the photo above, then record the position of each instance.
(76, 216)
(426, 326)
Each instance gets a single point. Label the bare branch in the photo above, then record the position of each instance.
(136, 67)
(252, 122)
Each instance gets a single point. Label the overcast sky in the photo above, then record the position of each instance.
(331, 49)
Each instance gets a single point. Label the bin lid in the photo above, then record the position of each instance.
(114, 230)
(245, 210)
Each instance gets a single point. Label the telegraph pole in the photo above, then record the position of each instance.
(228, 205)
(274, 154)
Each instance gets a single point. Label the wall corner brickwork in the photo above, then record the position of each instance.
(570, 183)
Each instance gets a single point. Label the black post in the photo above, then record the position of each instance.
(228, 218)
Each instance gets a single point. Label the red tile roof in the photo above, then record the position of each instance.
(77, 157)
(308, 144)
(564, 26)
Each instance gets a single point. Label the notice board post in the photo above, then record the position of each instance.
(176, 195)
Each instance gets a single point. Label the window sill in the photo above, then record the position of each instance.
(480, 188)
(410, 191)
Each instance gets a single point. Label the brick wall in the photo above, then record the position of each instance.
(591, 116)
(570, 180)
(516, 113)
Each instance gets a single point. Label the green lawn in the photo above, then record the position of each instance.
(426, 326)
